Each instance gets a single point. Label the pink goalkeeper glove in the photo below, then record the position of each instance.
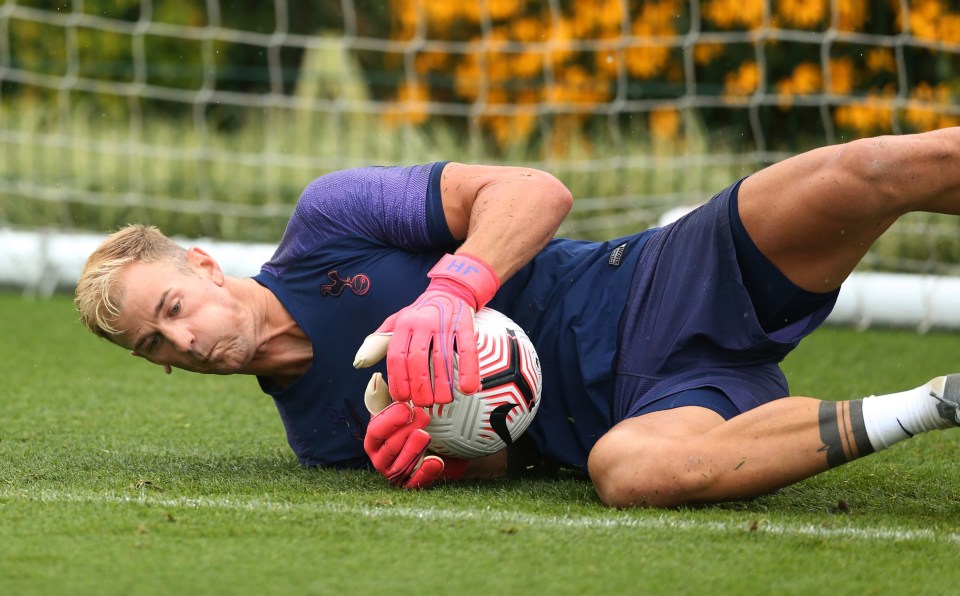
(397, 444)
(430, 333)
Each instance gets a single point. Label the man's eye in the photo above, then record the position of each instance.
(175, 309)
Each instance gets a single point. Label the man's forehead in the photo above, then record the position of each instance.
(136, 281)
(140, 274)
(142, 288)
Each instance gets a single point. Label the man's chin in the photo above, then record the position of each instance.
(219, 368)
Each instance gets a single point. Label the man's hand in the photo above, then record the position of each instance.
(397, 444)
(434, 340)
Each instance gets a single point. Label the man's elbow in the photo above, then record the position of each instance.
(555, 196)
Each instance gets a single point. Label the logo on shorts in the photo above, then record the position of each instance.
(359, 284)
(616, 255)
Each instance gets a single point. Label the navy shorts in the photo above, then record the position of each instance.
(690, 334)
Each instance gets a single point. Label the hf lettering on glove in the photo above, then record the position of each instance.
(434, 338)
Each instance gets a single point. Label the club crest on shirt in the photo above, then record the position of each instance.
(359, 284)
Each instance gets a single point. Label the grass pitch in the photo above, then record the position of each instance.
(117, 479)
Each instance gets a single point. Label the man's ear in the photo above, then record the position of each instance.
(201, 259)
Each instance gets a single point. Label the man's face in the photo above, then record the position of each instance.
(187, 320)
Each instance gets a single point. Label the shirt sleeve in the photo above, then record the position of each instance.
(397, 206)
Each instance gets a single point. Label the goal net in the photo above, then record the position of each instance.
(207, 118)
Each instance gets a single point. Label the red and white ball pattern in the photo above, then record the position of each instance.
(491, 419)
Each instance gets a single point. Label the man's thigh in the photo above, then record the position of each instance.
(656, 431)
(814, 215)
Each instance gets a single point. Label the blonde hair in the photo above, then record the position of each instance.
(99, 294)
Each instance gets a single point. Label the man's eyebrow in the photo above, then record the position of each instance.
(156, 313)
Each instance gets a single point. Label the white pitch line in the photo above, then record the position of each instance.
(610, 519)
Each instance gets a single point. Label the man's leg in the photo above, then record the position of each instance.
(816, 215)
(692, 455)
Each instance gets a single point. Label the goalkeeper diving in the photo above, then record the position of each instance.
(660, 350)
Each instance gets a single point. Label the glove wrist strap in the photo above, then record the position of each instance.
(470, 273)
(454, 469)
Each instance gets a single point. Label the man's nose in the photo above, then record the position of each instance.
(181, 339)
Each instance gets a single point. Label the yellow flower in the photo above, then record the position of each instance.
(498, 66)
(608, 62)
(529, 96)
(583, 87)
(405, 15)
(948, 121)
(528, 29)
(727, 14)
(581, 21)
(704, 53)
(512, 129)
(526, 64)
(494, 61)
(470, 11)
(751, 12)
(664, 123)
(466, 78)
(410, 106)
(498, 9)
(802, 13)
(742, 81)
(439, 14)
(842, 75)
(659, 16)
(597, 18)
(806, 79)
(609, 13)
(560, 41)
(881, 59)
(853, 14)
(515, 126)
(498, 96)
(917, 113)
(646, 59)
(717, 13)
(924, 15)
(949, 29)
(868, 116)
(427, 61)
(575, 85)
(925, 109)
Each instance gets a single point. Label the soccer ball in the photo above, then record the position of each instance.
(494, 417)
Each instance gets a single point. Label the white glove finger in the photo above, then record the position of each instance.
(377, 396)
(373, 349)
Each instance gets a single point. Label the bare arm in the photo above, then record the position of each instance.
(506, 214)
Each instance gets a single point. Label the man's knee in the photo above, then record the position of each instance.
(617, 484)
(630, 471)
(655, 460)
